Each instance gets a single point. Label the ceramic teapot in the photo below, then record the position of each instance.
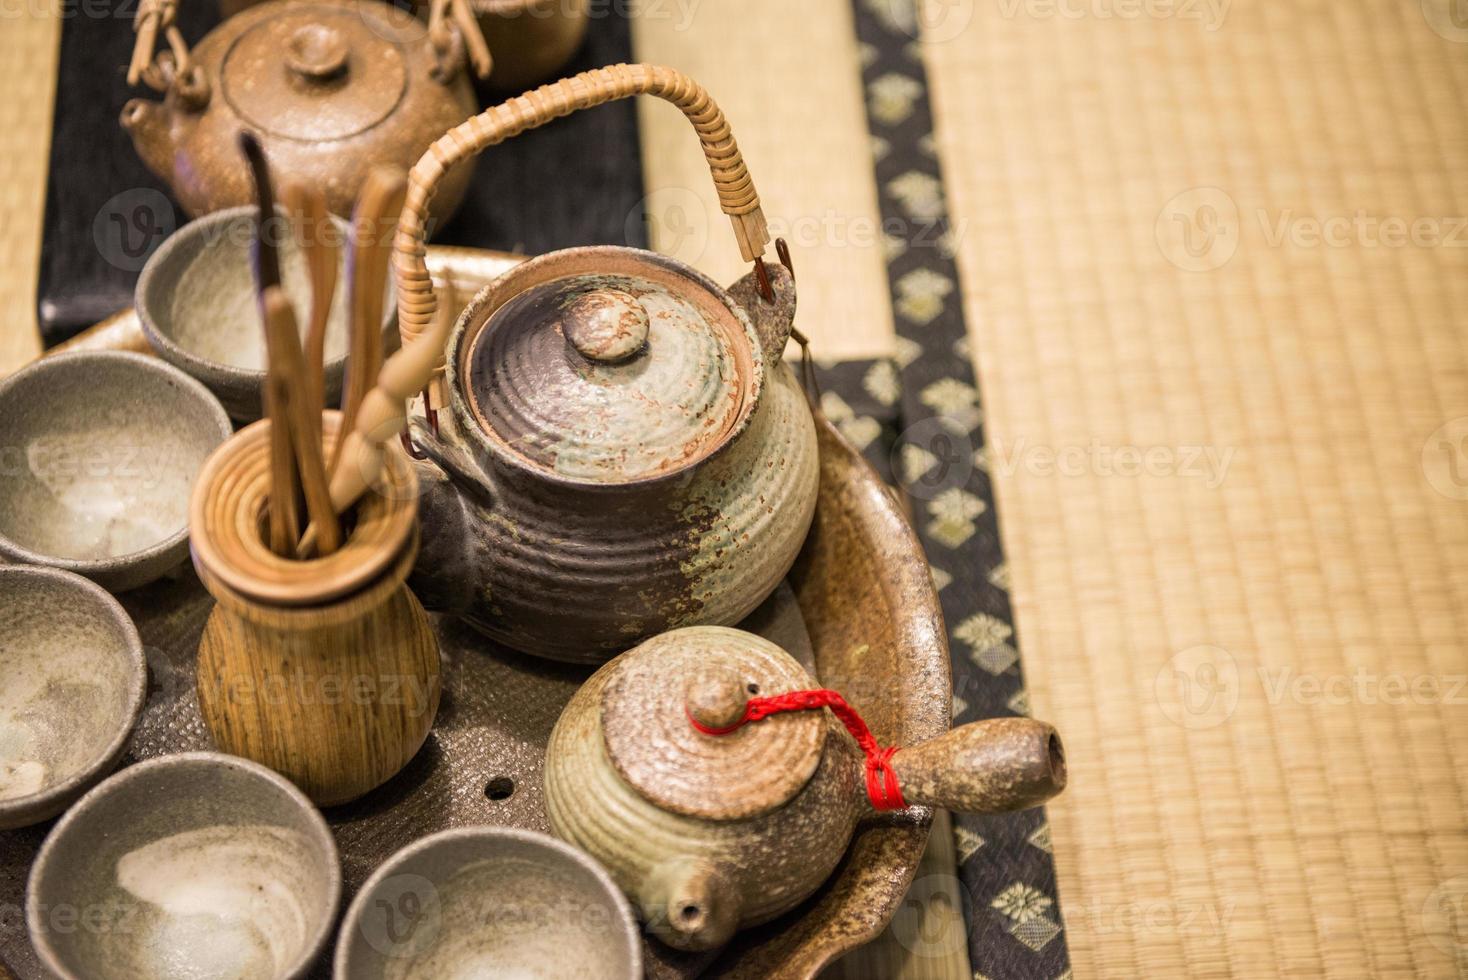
(623, 450)
(702, 769)
(332, 88)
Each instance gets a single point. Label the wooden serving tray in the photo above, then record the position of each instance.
(859, 607)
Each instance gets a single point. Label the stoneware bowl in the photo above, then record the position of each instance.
(72, 684)
(199, 864)
(196, 300)
(97, 456)
(489, 901)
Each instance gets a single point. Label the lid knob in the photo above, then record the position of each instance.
(605, 325)
(316, 52)
(715, 698)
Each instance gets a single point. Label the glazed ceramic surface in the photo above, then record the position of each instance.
(531, 39)
(332, 87)
(193, 865)
(72, 682)
(489, 902)
(626, 454)
(100, 450)
(723, 827)
(197, 302)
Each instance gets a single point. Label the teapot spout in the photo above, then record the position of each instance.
(990, 766)
(689, 905)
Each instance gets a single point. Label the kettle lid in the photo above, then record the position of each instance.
(312, 71)
(613, 365)
(703, 671)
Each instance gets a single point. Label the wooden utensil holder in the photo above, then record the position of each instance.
(325, 670)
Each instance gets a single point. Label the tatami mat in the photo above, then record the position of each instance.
(1258, 666)
(28, 38)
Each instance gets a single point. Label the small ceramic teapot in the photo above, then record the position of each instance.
(624, 452)
(332, 88)
(701, 769)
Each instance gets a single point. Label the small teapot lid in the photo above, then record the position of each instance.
(316, 71)
(626, 367)
(709, 672)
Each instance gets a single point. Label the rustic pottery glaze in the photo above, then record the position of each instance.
(198, 864)
(332, 87)
(97, 457)
(325, 670)
(199, 309)
(713, 833)
(627, 454)
(72, 684)
(490, 902)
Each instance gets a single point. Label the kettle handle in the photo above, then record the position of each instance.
(174, 70)
(737, 195)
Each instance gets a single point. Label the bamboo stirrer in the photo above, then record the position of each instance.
(284, 515)
(307, 206)
(287, 363)
(373, 219)
(383, 414)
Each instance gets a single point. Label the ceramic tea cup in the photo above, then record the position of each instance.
(197, 304)
(198, 864)
(72, 684)
(97, 456)
(489, 901)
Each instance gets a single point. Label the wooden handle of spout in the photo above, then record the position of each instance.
(737, 195)
(990, 766)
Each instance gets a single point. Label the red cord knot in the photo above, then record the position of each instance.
(882, 788)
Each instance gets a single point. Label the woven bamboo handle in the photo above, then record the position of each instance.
(736, 190)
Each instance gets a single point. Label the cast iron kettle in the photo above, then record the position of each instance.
(332, 88)
(623, 451)
(703, 770)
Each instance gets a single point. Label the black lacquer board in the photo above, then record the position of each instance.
(577, 181)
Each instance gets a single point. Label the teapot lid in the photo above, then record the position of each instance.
(613, 365)
(317, 71)
(707, 671)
